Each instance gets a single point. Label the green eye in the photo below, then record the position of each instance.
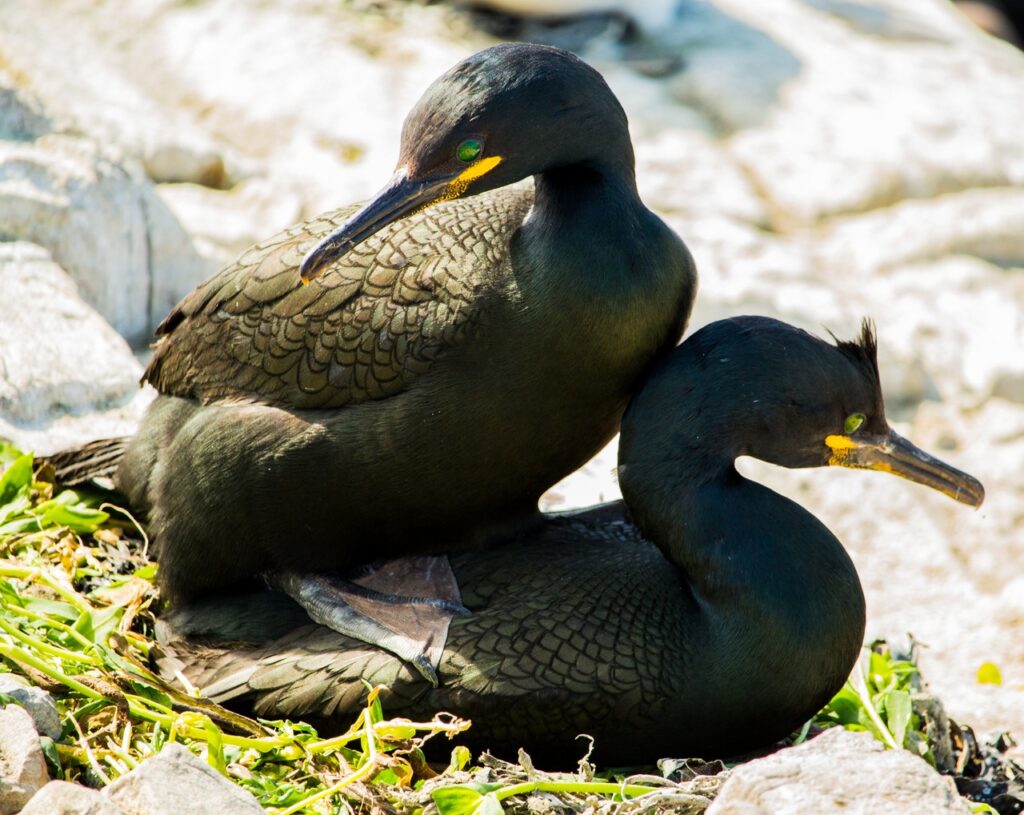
(470, 150)
(853, 421)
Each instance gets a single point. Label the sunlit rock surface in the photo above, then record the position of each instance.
(825, 160)
(64, 372)
(839, 771)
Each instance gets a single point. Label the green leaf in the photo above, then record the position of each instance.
(386, 776)
(9, 595)
(460, 758)
(18, 505)
(845, 707)
(16, 477)
(20, 525)
(151, 693)
(68, 510)
(898, 711)
(98, 624)
(64, 612)
(52, 757)
(880, 673)
(395, 730)
(147, 572)
(467, 799)
(8, 453)
(490, 806)
(376, 711)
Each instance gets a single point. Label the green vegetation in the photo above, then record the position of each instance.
(877, 699)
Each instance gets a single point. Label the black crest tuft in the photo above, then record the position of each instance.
(862, 351)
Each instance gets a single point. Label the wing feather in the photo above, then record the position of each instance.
(364, 330)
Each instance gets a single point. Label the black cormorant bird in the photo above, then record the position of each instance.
(707, 615)
(441, 361)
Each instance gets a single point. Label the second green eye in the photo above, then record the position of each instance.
(853, 421)
(470, 150)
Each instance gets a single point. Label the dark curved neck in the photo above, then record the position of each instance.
(593, 208)
(766, 572)
(591, 188)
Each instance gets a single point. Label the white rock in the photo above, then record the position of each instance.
(839, 771)
(22, 766)
(235, 219)
(649, 13)
(36, 702)
(56, 352)
(175, 782)
(63, 798)
(101, 221)
(884, 136)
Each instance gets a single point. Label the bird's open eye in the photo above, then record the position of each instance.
(853, 421)
(470, 150)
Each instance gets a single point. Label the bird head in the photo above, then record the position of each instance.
(758, 387)
(501, 115)
(828, 409)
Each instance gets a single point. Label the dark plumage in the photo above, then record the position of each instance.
(711, 617)
(438, 368)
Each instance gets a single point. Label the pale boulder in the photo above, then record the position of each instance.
(22, 766)
(58, 356)
(100, 219)
(175, 782)
(839, 771)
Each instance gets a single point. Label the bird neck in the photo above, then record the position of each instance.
(592, 194)
(765, 572)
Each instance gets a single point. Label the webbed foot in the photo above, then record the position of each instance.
(403, 606)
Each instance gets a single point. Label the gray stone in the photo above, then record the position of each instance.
(175, 782)
(56, 352)
(101, 220)
(21, 114)
(37, 702)
(62, 798)
(22, 766)
(839, 771)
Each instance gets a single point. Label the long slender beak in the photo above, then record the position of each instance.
(401, 196)
(891, 453)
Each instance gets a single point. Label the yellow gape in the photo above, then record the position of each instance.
(840, 447)
(457, 186)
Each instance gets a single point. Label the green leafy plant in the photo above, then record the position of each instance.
(878, 698)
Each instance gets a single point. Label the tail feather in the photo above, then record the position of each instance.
(91, 461)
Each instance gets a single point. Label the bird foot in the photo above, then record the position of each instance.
(403, 606)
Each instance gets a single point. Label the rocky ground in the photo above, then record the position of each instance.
(824, 160)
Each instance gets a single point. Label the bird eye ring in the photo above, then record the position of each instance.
(853, 421)
(469, 150)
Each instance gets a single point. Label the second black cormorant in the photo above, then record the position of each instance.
(707, 615)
